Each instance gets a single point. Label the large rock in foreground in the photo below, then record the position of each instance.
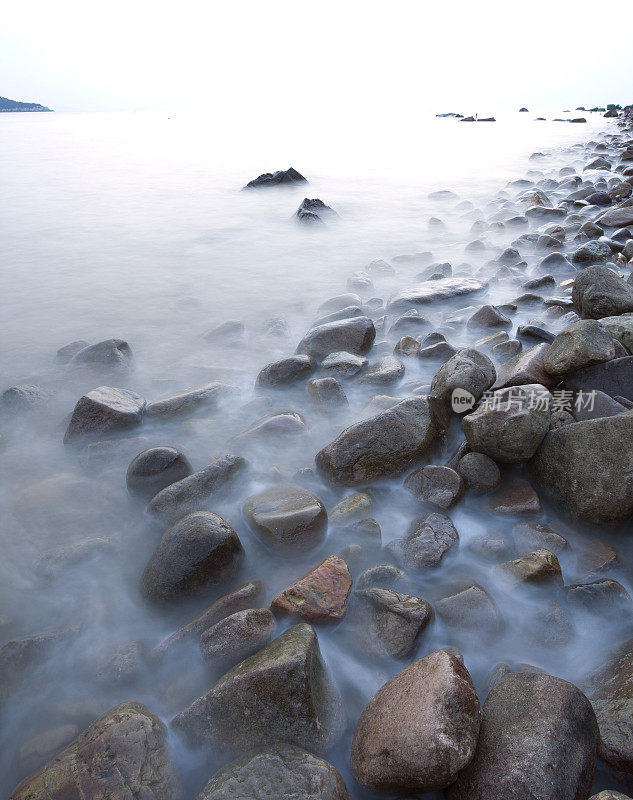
(280, 772)
(589, 466)
(380, 447)
(281, 694)
(121, 756)
(598, 292)
(419, 730)
(538, 740)
(105, 410)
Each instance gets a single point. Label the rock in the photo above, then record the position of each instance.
(618, 217)
(604, 596)
(207, 396)
(22, 398)
(123, 755)
(355, 335)
(343, 365)
(539, 567)
(105, 410)
(339, 302)
(511, 424)
(582, 344)
(610, 689)
(288, 176)
(598, 292)
(383, 446)
(525, 368)
(435, 291)
(440, 486)
(287, 518)
(407, 346)
(275, 427)
(471, 608)
(111, 353)
(489, 317)
(518, 497)
(395, 621)
(411, 322)
(595, 404)
(530, 535)
(588, 466)
(420, 729)
(609, 794)
(42, 748)
(237, 637)
(319, 596)
(354, 505)
(429, 539)
(230, 331)
(326, 392)
(538, 739)
(440, 351)
(592, 253)
(279, 771)
(614, 378)
(154, 469)
(386, 370)
(313, 210)
(65, 353)
(621, 328)
(597, 557)
(196, 554)
(193, 492)
(479, 472)
(287, 371)
(467, 370)
(382, 576)
(283, 693)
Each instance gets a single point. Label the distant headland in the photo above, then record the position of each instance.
(7, 105)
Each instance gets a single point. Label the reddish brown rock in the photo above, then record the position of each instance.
(320, 595)
(518, 497)
(540, 567)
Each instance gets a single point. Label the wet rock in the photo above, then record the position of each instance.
(194, 556)
(598, 292)
(587, 465)
(385, 371)
(382, 576)
(339, 302)
(621, 328)
(614, 378)
(123, 755)
(597, 557)
(517, 497)
(468, 370)
(429, 539)
(538, 739)
(540, 567)
(279, 771)
(193, 492)
(282, 177)
(530, 535)
(111, 353)
(526, 367)
(407, 346)
(354, 335)
(471, 609)
(419, 730)
(24, 397)
(283, 693)
(383, 446)
(435, 291)
(411, 322)
(320, 596)
(595, 404)
(609, 794)
(593, 252)
(582, 344)
(604, 596)
(326, 392)
(440, 351)
(65, 353)
(511, 425)
(287, 371)
(105, 410)
(343, 365)
(354, 505)
(154, 469)
(287, 518)
(313, 210)
(41, 748)
(273, 427)
(237, 637)
(480, 473)
(618, 217)
(177, 405)
(440, 486)
(489, 317)
(395, 621)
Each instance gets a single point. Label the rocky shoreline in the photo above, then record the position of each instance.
(527, 413)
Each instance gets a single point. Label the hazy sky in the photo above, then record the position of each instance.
(330, 58)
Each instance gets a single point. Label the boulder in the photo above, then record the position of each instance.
(593, 252)
(420, 729)
(287, 371)
(123, 755)
(271, 429)
(382, 446)
(65, 353)
(280, 771)
(395, 621)
(237, 637)
(319, 596)
(282, 177)
(582, 344)
(326, 392)
(177, 405)
(489, 317)
(538, 739)
(283, 693)
(24, 397)
(437, 485)
(479, 472)
(618, 217)
(598, 292)
(469, 371)
(429, 539)
(516, 497)
(540, 567)
(434, 291)
(621, 328)
(614, 378)
(111, 353)
(287, 518)
(471, 609)
(386, 370)
(105, 410)
(195, 555)
(355, 335)
(154, 469)
(343, 365)
(525, 367)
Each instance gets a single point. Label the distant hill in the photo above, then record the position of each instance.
(15, 105)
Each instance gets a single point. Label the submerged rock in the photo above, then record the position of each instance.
(105, 410)
(287, 371)
(237, 637)
(429, 539)
(437, 485)
(111, 353)
(479, 472)
(395, 621)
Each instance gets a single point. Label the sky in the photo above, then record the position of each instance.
(334, 59)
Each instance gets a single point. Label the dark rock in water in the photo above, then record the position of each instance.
(598, 292)
(486, 119)
(471, 609)
(587, 465)
(419, 730)
(599, 199)
(196, 554)
(24, 397)
(524, 368)
(65, 353)
(123, 755)
(282, 177)
(467, 119)
(287, 371)
(111, 353)
(313, 211)
(618, 217)
(523, 110)
(469, 373)
(440, 351)
(581, 344)
(538, 739)
(435, 291)
(539, 567)
(530, 535)
(177, 405)
(395, 621)
(382, 446)
(343, 365)
(578, 119)
(339, 302)
(386, 370)
(345, 313)
(105, 410)
(614, 378)
(604, 596)
(536, 333)
(192, 493)
(480, 473)
(412, 323)
(384, 576)
(237, 637)
(437, 485)
(429, 539)
(320, 596)
(326, 392)
(489, 317)
(592, 253)
(281, 772)
(287, 518)
(154, 469)
(281, 694)
(354, 335)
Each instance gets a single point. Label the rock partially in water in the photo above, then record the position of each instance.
(593, 252)
(526, 367)
(618, 217)
(237, 637)
(326, 392)
(469, 371)
(275, 427)
(395, 621)
(598, 292)
(436, 291)
(283, 177)
(480, 473)
(471, 609)
(343, 365)
(111, 353)
(282, 772)
(65, 353)
(538, 739)
(420, 730)
(437, 485)
(385, 371)
(23, 397)
(621, 328)
(489, 317)
(582, 344)
(105, 410)
(154, 469)
(177, 405)
(281, 694)
(320, 596)
(287, 371)
(313, 211)
(355, 335)
(429, 539)
(540, 567)
(516, 497)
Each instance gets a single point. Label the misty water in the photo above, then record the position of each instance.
(133, 226)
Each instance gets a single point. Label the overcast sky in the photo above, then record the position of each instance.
(333, 58)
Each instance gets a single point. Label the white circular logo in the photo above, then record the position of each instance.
(462, 400)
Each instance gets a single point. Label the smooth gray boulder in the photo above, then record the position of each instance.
(538, 739)
(598, 292)
(429, 539)
(479, 472)
(287, 371)
(469, 371)
(154, 469)
(386, 370)
(618, 217)
(581, 344)
(525, 367)
(177, 405)
(105, 410)
(440, 486)
(355, 335)
(434, 291)
(614, 378)
(237, 637)
(287, 518)
(111, 353)
(393, 621)
(23, 397)
(621, 328)
(343, 365)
